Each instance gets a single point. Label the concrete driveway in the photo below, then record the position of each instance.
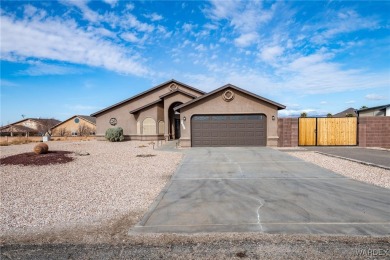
(265, 190)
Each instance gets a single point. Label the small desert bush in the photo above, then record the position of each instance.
(114, 134)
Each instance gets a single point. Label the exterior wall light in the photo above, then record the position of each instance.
(184, 118)
(273, 118)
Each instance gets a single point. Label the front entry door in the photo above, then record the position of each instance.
(177, 128)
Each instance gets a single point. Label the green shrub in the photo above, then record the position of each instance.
(115, 134)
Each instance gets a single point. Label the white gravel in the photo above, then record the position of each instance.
(354, 170)
(109, 183)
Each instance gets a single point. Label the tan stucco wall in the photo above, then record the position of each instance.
(241, 104)
(150, 112)
(71, 126)
(128, 121)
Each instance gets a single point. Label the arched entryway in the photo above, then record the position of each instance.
(174, 122)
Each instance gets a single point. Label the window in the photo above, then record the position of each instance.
(76, 120)
(149, 127)
(138, 128)
(161, 126)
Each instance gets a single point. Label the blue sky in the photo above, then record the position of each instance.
(61, 58)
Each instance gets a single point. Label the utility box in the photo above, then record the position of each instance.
(46, 138)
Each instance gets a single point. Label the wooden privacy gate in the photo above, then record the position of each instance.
(327, 131)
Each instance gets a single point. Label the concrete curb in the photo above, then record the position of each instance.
(353, 160)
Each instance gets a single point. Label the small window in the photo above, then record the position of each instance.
(76, 120)
(74, 133)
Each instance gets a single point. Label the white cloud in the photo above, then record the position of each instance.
(130, 21)
(6, 83)
(200, 47)
(82, 5)
(112, 3)
(350, 102)
(129, 6)
(293, 112)
(269, 54)
(63, 40)
(316, 74)
(245, 17)
(341, 22)
(210, 26)
(130, 37)
(187, 27)
(246, 39)
(375, 97)
(323, 102)
(154, 17)
(38, 68)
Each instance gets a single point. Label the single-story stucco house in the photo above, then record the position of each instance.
(77, 125)
(29, 127)
(383, 110)
(227, 116)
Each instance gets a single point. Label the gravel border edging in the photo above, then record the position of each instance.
(354, 160)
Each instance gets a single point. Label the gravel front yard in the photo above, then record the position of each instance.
(353, 170)
(110, 187)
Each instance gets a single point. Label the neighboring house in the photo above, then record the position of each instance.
(227, 116)
(348, 111)
(77, 125)
(375, 111)
(29, 127)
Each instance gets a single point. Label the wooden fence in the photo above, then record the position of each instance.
(327, 131)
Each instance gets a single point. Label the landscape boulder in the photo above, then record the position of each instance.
(41, 148)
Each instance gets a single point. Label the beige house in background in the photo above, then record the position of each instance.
(227, 116)
(77, 125)
(383, 110)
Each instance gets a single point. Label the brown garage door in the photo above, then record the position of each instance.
(229, 130)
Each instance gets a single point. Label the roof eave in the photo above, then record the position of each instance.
(146, 106)
(145, 92)
(279, 106)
